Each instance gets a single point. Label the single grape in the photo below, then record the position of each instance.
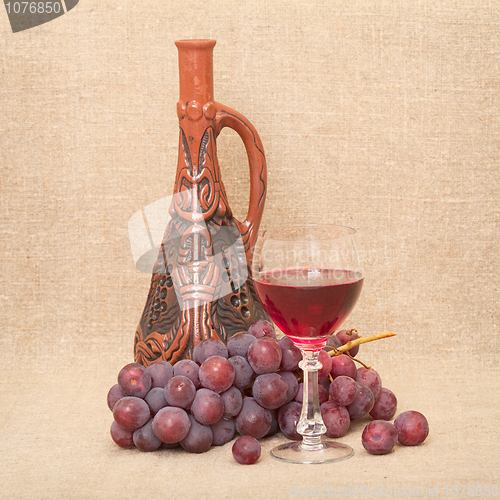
(343, 365)
(264, 355)
(290, 355)
(171, 424)
(288, 418)
(199, 437)
(121, 437)
(246, 450)
(326, 360)
(134, 380)
(270, 390)
(379, 437)
(371, 379)
(412, 428)
(207, 407)
(145, 439)
(333, 341)
(238, 345)
(253, 419)
(336, 419)
(207, 348)
(363, 403)
(180, 392)
(293, 385)
(243, 373)
(386, 405)
(189, 369)
(114, 395)
(155, 399)
(161, 372)
(343, 390)
(223, 431)
(233, 401)
(322, 392)
(347, 335)
(262, 328)
(325, 382)
(217, 374)
(131, 412)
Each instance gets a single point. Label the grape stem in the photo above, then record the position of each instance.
(359, 361)
(336, 351)
(361, 340)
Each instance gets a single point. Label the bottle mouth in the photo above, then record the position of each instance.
(195, 44)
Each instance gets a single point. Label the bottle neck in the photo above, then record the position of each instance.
(196, 70)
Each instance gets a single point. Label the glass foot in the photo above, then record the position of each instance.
(328, 451)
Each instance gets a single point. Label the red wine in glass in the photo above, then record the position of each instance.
(309, 304)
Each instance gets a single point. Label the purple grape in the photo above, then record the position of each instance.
(223, 431)
(134, 380)
(270, 390)
(264, 355)
(155, 399)
(189, 369)
(347, 335)
(326, 360)
(198, 439)
(161, 372)
(325, 382)
(343, 365)
(322, 392)
(171, 424)
(207, 407)
(343, 390)
(363, 403)
(131, 412)
(293, 385)
(253, 419)
(336, 419)
(180, 392)
(386, 405)
(246, 450)
(290, 355)
(379, 437)
(288, 418)
(243, 373)
(145, 439)
(412, 428)
(371, 379)
(114, 395)
(238, 345)
(233, 401)
(207, 348)
(121, 437)
(262, 328)
(217, 374)
(333, 341)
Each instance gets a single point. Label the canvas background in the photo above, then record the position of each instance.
(383, 113)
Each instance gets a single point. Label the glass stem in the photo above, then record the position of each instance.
(310, 425)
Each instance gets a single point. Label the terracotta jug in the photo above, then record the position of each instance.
(200, 286)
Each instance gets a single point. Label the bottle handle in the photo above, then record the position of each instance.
(227, 117)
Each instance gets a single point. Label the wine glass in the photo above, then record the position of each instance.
(308, 279)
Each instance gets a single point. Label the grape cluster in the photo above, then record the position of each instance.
(251, 386)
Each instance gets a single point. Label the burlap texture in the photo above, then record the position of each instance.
(382, 113)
